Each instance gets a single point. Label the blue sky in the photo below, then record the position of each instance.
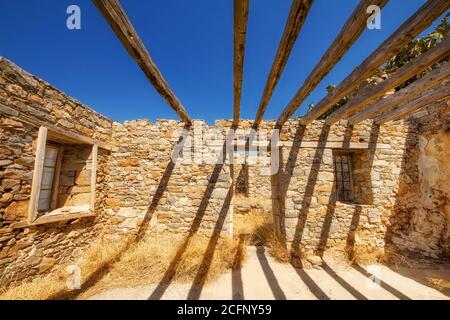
(192, 44)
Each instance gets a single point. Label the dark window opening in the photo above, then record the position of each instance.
(343, 177)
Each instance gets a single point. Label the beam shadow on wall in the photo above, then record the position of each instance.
(331, 206)
(350, 242)
(282, 181)
(98, 274)
(404, 208)
(325, 232)
(171, 270)
(309, 189)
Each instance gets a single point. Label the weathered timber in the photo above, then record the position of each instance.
(374, 92)
(240, 32)
(430, 79)
(114, 14)
(297, 16)
(426, 98)
(349, 33)
(423, 17)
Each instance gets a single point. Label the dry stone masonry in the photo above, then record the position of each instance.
(170, 177)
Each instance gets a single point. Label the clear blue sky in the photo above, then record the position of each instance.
(192, 44)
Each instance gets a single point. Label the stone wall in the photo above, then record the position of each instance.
(25, 103)
(312, 219)
(422, 209)
(167, 177)
(175, 196)
(147, 187)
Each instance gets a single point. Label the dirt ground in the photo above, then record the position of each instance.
(262, 278)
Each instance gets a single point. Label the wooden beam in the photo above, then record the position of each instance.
(240, 32)
(374, 92)
(93, 176)
(430, 96)
(349, 33)
(45, 219)
(114, 14)
(297, 16)
(37, 174)
(430, 79)
(61, 217)
(423, 17)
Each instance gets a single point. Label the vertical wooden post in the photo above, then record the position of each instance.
(93, 175)
(37, 174)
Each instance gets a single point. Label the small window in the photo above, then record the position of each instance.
(64, 177)
(343, 177)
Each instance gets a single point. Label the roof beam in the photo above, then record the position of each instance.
(430, 79)
(428, 97)
(114, 14)
(297, 16)
(374, 92)
(423, 17)
(240, 32)
(349, 33)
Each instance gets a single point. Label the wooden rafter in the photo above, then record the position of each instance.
(297, 16)
(114, 14)
(349, 33)
(401, 75)
(240, 32)
(423, 17)
(430, 79)
(426, 98)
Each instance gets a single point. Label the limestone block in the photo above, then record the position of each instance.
(80, 199)
(83, 178)
(17, 210)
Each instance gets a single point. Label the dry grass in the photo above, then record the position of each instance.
(148, 261)
(372, 255)
(40, 288)
(107, 264)
(438, 283)
(95, 258)
(258, 229)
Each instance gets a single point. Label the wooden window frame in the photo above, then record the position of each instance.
(33, 218)
(349, 155)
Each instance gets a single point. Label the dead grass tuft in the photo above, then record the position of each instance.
(118, 264)
(149, 260)
(372, 255)
(39, 288)
(438, 283)
(258, 229)
(96, 257)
